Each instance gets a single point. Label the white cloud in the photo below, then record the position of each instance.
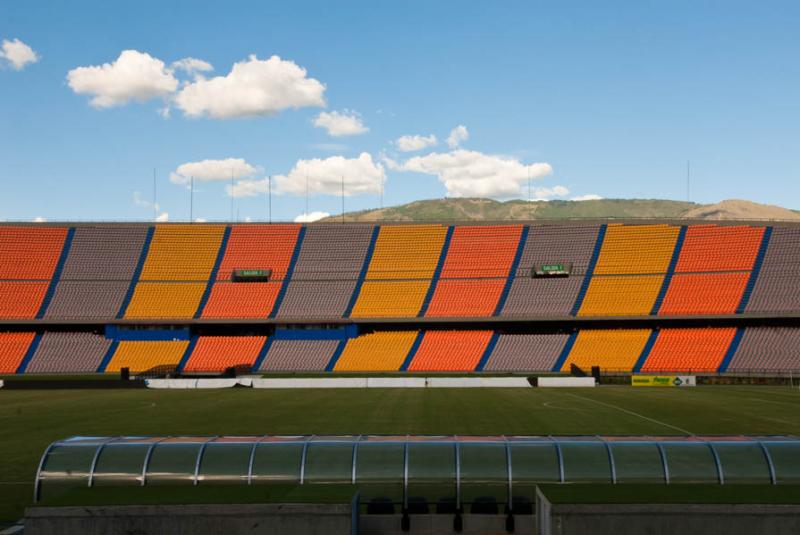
(133, 75)
(163, 217)
(360, 175)
(252, 88)
(330, 147)
(341, 123)
(192, 65)
(457, 135)
(39, 219)
(588, 197)
(199, 220)
(546, 194)
(466, 173)
(17, 54)
(415, 143)
(210, 170)
(247, 188)
(311, 217)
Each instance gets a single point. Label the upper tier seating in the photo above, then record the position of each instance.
(713, 269)
(325, 276)
(28, 260)
(97, 272)
(777, 288)
(177, 269)
(252, 247)
(630, 270)
(475, 271)
(548, 244)
(400, 271)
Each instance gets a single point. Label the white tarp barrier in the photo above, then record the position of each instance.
(184, 384)
(396, 382)
(478, 382)
(1, 383)
(343, 382)
(559, 382)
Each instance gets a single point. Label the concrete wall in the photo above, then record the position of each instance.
(686, 519)
(260, 519)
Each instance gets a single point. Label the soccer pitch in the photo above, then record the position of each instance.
(30, 420)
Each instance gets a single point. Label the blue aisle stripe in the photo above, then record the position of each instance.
(335, 356)
(437, 273)
(412, 351)
(62, 259)
(751, 282)
(676, 253)
(488, 353)
(223, 246)
(363, 274)
(726, 361)
(512, 274)
(648, 347)
(107, 357)
(187, 354)
(137, 272)
(289, 272)
(263, 353)
(601, 234)
(562, 358)
(29, 353)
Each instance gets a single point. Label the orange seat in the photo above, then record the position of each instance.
(704, 293)
(21, 300)
(689, 350)
(450, 351)
(476, 268)
(13, 347)
(719, 248)
(252, 247)
(216, 353)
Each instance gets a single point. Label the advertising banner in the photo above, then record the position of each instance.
(663, 380)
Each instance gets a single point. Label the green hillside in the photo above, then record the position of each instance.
(490, 210)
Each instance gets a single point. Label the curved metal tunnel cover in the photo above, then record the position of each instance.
(460, 469)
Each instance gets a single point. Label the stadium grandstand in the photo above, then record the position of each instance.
(170, 299)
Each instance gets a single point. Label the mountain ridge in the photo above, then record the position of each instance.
(477, 209)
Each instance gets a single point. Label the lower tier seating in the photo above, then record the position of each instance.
(694, 350)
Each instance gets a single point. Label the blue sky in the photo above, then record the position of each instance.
(600, 98)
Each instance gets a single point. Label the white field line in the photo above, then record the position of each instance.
(642, 416)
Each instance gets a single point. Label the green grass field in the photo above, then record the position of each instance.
(30, 420)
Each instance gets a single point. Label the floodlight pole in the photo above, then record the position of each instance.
(155, 196)
(306, 194)
(342, 198)
(231, 194)
(269, 190)
(688, 180)
(191, 199)
(530, 208)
